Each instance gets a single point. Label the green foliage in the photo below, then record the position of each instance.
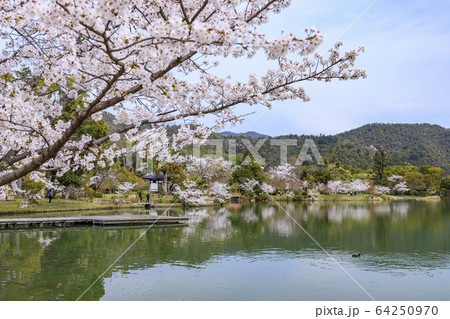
(339, 173)
(297, 198)
(411, 144)
(116, 175)
(445, 183)
(95, 129)
(400, 170)
(33, 187)
(240, 175)
(71, 178)
(262, 197)
(89, 192)
(176, 171)
(416, 182)
(322, 176)
(235, 188)
(359, 176)
(432, 176)
(124, 174)
(98, 195)
(251, 170)
(381, 160)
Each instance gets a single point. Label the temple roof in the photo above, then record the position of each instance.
(154, 177)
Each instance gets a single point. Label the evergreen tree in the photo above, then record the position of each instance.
(381, 160)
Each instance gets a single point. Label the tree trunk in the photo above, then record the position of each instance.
(165, 183)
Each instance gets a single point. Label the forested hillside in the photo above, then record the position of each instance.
(410, 144)
(407, 144)
(417, 144)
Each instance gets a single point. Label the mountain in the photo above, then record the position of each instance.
(407, 144)
(251, 134)
(415, 144)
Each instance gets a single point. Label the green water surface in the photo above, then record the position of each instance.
(252, 252)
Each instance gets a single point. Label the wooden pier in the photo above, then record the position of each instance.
(114, 220)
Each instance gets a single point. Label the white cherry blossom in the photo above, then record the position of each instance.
(400, 188)
(189, 193)
(148, 62)
(267, 188)
(381, 190)
(249, 185)
(334, 186)
(219, 191)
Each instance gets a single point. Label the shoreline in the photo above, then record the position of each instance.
(321, 198)
(26, 211)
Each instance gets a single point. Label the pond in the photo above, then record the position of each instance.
(241, 252)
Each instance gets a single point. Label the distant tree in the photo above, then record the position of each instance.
(322, 176)
(334, 187)
(416, 182)
(445, 185)
(32, 189)
(125, 188)
(252, 170)
(380, 190)
(285, 177)
(339, 173)
(381, 160)
(96, 129)
(212, 169)
(400, 188)
(219, 191)
(190, 194)
(358, 186)
(173, 171)
(241, 174)
(71, 178)
(250, 186)
(432, 176)
(267, 188)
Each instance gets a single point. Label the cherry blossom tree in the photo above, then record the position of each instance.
(400, 188)
(267, 188)
(334, 186)
(219, 191)
(303, 185)
(207, 167)
(395, 178)
(381, 190)
(249, 185)
(344, 188)
(125, 188)
(285, 175)
(189, 194)
(358, 186)
(313, 192)
(151, 62)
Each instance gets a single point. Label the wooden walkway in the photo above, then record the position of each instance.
(114, 220)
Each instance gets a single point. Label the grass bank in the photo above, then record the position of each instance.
(71, 205)
(57, 205)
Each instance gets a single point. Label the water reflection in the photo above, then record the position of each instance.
(397, 239)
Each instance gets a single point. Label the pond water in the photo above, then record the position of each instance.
(248, 252)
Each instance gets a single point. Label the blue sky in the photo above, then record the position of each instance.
(407, 58)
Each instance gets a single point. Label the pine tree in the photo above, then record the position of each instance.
(381, 160)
